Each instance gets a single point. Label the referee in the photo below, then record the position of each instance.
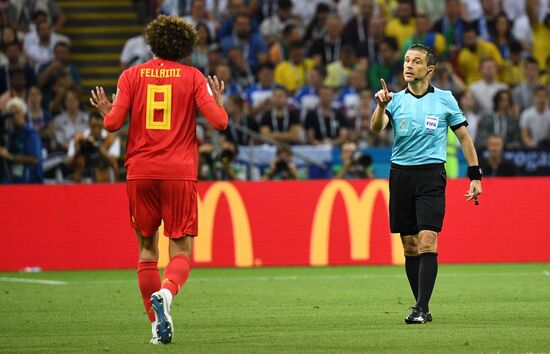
(420, 116)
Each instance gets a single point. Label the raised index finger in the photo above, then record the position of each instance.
(384, 85)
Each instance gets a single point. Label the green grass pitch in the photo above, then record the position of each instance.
(476, 309)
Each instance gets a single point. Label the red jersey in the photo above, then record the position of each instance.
(162, 97)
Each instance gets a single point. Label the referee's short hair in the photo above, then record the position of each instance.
(430, 56)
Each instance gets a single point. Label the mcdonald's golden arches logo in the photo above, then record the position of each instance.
(360, 211)
(242, 236)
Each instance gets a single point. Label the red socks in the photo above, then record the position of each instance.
(176, 273)
(149, 282)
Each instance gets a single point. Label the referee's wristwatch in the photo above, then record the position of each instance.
(475, 173)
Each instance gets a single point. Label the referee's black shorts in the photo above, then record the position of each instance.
(417, 198)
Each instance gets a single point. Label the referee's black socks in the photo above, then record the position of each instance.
(427, 272)
(412, 263)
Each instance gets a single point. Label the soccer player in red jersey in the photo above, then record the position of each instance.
(162, 96)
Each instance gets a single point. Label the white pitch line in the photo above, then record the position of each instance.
(33, 281)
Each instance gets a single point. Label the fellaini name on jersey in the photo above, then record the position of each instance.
(160, 73)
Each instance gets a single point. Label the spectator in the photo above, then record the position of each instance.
(15, 60)
(535, 121)
(174, 7)
(271, 28)
(338, 72)
(198, 15)
(258, 96)
(403, 26)
(486, 22)
(353, 163)
(226, 169)
(356, 31)
(307, 97)
(316, 28)
(135, 51)
(94, 153)
(468, 106)
(325, 125)
(349, 98)
(485, 89)
(282, 167)
(281, 123)
(386, 67)
(39, 45)
(475, 50)
(279, 50)
(39, 119)
(239, 119)
(240, 70)
(61, 85)
(70, 122)
(446, 79)
(252, 44)
(515, 9)
(27, 11)
(502, 121)
(360, 133)
(223, 73)
(18, 87)
(513, 72)
(60, 65)
(264, 9)
(541, 44)
(523, 25)
(494, 165)
(375, 37)
(325, 50)
(215, 57)
(523, 93)
(423, 35)
(199, 57)
(236, 8)
(23, 154)
(503, 37)
(451, 26)
(293, 73)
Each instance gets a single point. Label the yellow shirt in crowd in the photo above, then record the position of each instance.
(400, 31)
(469, 62)
(292, 76)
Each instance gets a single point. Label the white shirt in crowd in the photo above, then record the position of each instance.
(65, 129)
(135, 51)
(538, 124)
(38, 53)
(484, 92)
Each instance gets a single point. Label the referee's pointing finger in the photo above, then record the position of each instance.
(384, 86)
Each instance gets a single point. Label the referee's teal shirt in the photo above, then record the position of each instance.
(420, 125)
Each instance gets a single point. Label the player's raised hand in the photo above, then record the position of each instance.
(217, 87)
(100, 101)
(383, 96)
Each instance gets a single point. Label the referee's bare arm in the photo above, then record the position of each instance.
(471, 158)
(379, 118)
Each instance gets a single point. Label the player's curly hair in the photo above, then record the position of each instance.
(170, 37)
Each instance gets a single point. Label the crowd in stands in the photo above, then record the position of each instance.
(297, 72)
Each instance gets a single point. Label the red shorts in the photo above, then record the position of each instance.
(172, 201)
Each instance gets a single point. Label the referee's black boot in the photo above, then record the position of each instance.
(417, 316)
(428, 316)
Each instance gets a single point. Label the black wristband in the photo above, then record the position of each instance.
(474, 173)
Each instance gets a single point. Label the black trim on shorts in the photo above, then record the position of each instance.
(455, 127)
(429, 228)
(428, 166)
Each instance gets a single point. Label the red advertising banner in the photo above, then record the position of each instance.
(248, 224)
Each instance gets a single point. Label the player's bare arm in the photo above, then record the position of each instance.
(379, 119)
(471, 158)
